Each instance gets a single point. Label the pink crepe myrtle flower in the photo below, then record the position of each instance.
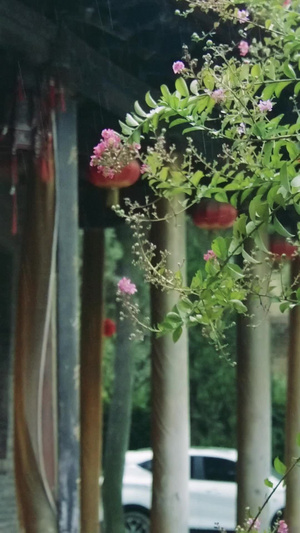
(265, 105)
(111, 137)
(210, 254)
(218, 95)
(282, 527)
(243, 47)
(243, 16)
(178, 67)
(99, 149)
(144, 168)
(126, 286)
(254, 525)
(241, 128)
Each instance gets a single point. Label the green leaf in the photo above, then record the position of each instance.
(284, 180)
(268, 91)
(165, 92)
(177, 122)
(125, 129)
(149, 100)
(288, 70)
(130, 121)
(249, 258)
(297, 88)
(267, 152)
(219, 246)
(139, 111)
(208, 81)
(279, 466)
(280, 86)
(296, 182)
(194, 86)
(256, 71)
(197, 281)
(268, 483)
(184, 306)
(236, 270)
(202, 103)
(177, 334)
(182, 87)
(279, 228)
(239, 306)
(284, 306)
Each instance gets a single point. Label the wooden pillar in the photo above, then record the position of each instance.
(91, 362)
(254, 403)
(65, 145)
(170, 394)
(292, 513)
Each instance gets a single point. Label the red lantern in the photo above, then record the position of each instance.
(279, 247)
(109, 327)
(213, 215)
(128, 176)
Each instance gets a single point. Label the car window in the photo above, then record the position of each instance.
(217, 469)
(147, 465)
(197, 467)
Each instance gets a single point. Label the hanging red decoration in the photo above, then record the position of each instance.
(212, 215)
(109, 327)
(281, 247)
(128, 176)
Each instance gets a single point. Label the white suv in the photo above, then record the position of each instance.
(212, 488)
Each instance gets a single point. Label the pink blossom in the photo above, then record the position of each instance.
(126, 286)
(243, 48)
(282, 527)
(218, 95)
(110, 137)
(255, 525)
(108, 172)
(100, 148)
(286, 3)
(136, 146)
(144, 168)
(243, 16)
(242, 128)
(209, 255)
(178, 67)
(265, 105)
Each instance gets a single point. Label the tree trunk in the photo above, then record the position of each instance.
(90, 377)
(292, 512)
(254, 404)
(120, 409)
(170, 396)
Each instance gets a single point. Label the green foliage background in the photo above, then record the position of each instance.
(212, 380)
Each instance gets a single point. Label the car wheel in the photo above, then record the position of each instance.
(279, 516)
(136, 519)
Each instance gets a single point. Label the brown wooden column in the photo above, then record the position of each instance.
(90, 393)
(292, 514)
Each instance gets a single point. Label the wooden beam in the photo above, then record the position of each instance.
(38, 40)
(67, 318)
